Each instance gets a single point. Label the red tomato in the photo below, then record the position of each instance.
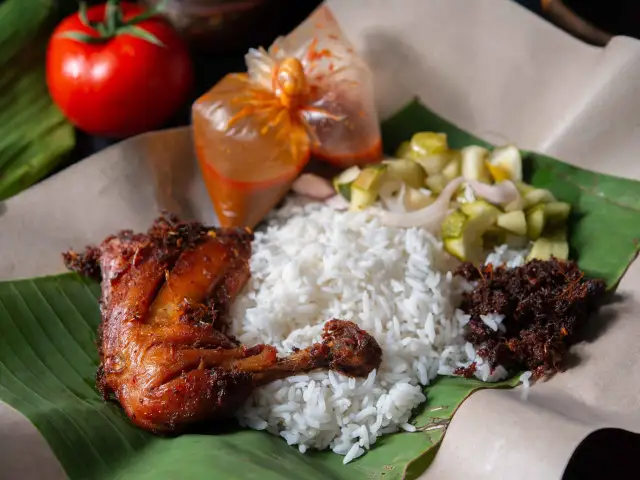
(123, 84)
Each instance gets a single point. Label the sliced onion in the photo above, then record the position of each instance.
(392, 196)
(337, 202)
(504, 193)
(313, 186)
(430, 217)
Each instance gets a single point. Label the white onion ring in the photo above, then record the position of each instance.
(430, 217)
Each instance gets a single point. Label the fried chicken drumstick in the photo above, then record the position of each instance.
(164, 354)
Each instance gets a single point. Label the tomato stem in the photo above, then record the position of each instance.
(113, 24)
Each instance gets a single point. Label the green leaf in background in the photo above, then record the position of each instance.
(48, 357)
(605, 223)
(34, 135)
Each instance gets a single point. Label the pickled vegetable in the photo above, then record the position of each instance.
(406, 171)
(514, 222)
(474, 166)
(535, 222)
(505, 163)
(342, 183)
(429, 143)
(552, 244)
(365, 188)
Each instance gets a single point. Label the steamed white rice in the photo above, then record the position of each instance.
(313, 264)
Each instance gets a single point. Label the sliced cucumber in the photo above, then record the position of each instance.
(480, 207)
(536, 220)
(557, 212)
(436, 183)
(433, 164)
(473, 164)
(538, 196)
(463, 235)
(404, 150)
(454, 224)
(514, 222)
(553, 244)
(429, 143)
(342, 183)
(453, 168)
(505, 163)
(415, 199)
(524, 188)
(365, 188)
(407, 171)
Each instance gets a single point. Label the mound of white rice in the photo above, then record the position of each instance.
(313, 264)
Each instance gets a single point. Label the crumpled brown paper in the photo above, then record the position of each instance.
(492, 68)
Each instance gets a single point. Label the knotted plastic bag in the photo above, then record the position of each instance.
(309, 94)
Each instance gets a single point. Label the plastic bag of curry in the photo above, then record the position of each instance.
(309, 95)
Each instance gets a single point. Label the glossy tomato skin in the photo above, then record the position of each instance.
(123, 86)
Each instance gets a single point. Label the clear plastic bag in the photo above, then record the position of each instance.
(254, 132)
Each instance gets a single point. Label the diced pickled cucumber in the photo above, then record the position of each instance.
(415, 199)
(463, 235)
(365, 188)
(480, 207)
(433, 164)
(429, 143)
(557, 212)
(342, 183)
(473, 164)
(514, 222)
(404, 150)
(452, 168)
(436, 183)
(406, 171)
(454, 224)
(524, 188)
(505, 163)
(370, 178)
(538, 196)
(553, 244)
(536, 220)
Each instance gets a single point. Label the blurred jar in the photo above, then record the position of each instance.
(223, 26)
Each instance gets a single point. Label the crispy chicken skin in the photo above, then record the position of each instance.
(164, 354)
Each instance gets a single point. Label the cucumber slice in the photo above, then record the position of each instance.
(505, 163)
(407, 171)
(514, 222)
(404, 150)
(415, 199)
(436, 183)
(479, 208)
(473, 164)
(463, 235)
(453, 168)
(342, 183)
(433, 164)
(364, 190)
(557, 212)
(550, 245)
(538, 196)
(524, 188)
(454, 224)
(429, 143)
(536, 220)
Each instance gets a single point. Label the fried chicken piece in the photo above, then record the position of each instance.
(163, 352)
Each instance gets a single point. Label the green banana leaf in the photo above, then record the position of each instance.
(48, 358)
(34, 135)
